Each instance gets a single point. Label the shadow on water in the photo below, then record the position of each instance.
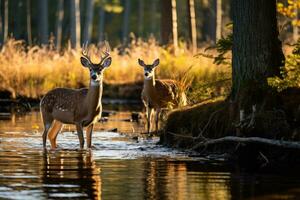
(120, 167)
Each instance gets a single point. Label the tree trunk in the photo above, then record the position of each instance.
(126, 21)
(166, 21)
(101, 24)
(256, 53)
(43, 21)
(5, 31)
(75, 23)
(59, 22)
(218, 19)
(17, 6)
(192, 25)
(1, 26)
(88, 25)
(141, 18)
(169, 23)
(153, 18)
(295, 27)
(28, 22)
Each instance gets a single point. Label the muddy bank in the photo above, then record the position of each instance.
(202, 123)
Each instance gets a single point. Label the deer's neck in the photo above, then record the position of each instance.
(94, 95)
(149, 83)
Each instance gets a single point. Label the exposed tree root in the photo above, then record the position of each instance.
(257, 140)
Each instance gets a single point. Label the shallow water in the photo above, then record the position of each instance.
(120, 166)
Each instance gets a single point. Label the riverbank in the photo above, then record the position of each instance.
(263, 138)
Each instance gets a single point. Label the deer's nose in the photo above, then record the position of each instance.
(94, 76)
(146, 74)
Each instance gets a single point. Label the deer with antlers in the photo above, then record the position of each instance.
(159, 94)
(81, 107)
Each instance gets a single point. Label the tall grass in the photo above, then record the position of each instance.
(32, 71)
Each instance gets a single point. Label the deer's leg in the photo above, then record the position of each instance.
(80, 135)
(53, 133)
(47, 121)
(149, 113)
(157, 119)
(89, 132)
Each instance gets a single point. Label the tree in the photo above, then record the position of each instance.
(88, 25)
(28, 22)
(256, 53)
(43, 21)
(59, 22)
(5, 25)
(169, 23)
(141, 18)
(218, 19)
(75, 23)
(101, 23)
(125, 28)
(192, 25)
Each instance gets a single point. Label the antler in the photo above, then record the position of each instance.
(106, 52)
(85, 51)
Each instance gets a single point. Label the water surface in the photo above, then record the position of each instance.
(120, 166)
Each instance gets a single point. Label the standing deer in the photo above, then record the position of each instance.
(159, 94)
(81, 107)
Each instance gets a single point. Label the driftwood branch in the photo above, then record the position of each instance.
(257, 140)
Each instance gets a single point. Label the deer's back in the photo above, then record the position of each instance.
(165, 93)
(62, 99)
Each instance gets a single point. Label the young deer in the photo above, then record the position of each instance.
(81, 107)
(159, 94)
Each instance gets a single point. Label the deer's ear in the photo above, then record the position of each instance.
(106, 62)
(155, 63)
(85, 62)
(141, 62)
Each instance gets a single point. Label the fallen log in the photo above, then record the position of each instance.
(257, 140)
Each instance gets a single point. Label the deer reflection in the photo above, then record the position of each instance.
(69, 174)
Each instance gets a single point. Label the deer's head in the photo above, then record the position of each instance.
(149, 69)
(96, 69)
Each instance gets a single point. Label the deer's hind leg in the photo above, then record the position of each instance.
(52, 135)
(47, 121)
(89, 132)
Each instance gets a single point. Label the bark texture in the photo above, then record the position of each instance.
(256, 53)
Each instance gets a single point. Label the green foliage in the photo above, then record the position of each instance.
(290, 72)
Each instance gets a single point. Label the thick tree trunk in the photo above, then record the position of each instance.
(88, 25)
(28, 22)
(101, 24)
(192, 25)
(59, 22)
(43, 21)
(125, 29)
(256, 55)
(75, 23)
(141, 18)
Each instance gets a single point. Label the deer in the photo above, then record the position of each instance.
(80, 107)
(159, 94)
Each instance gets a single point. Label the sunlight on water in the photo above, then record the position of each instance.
(119, 166)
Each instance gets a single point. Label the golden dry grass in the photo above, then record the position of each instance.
(32, 71)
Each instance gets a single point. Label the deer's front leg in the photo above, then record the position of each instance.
(80, 135)
(89, 132)
(149, 113)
